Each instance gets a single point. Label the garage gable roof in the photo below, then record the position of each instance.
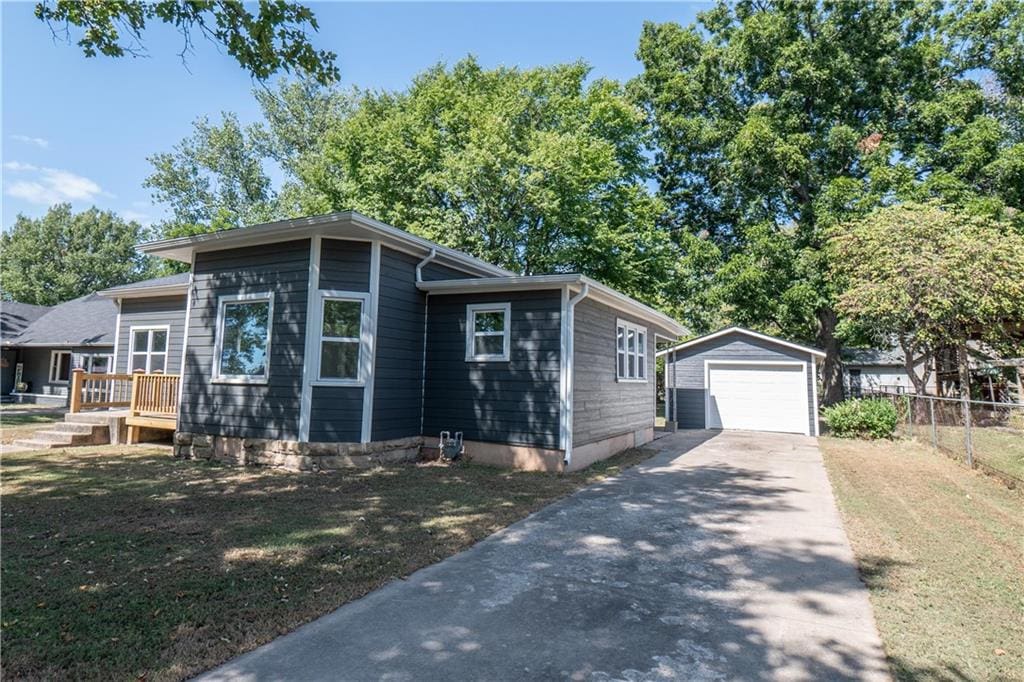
(740, 330)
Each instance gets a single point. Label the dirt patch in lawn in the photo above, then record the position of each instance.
(123, 562)
(25, 423)
(940, 548)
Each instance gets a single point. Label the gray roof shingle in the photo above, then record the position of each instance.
(14, 317)
(180, 278)
(85, 321)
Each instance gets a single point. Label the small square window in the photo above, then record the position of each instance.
(488, 332)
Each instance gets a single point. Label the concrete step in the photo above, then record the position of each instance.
(75, 427)
(87, 418)
(33, 444)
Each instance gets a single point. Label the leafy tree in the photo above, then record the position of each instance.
(263, 43)
(64, 255)
(934, 276)
(772, 122)
(535, 170)
(214, 179)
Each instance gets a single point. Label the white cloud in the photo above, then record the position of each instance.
(51, 185)
(37, 141)
(138, 216)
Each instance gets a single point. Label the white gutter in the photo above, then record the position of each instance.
(423, 263)
(568, 325)
(426, 312)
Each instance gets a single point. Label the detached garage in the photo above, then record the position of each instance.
(740, 379)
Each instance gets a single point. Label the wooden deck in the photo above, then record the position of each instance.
(151, 399)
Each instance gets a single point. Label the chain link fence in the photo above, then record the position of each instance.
(991, 439)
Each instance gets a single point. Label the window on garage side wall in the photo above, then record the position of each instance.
(630, 351)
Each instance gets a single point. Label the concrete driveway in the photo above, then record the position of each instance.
(721, 558)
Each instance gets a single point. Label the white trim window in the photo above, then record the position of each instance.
(630, 351)
(60, 366)
(344, 338)
(488, 332)
(242, 349)
(97, 363)
(147, 349)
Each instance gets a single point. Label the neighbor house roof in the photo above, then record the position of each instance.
(747, 332)
(874, 357)
(14, 317)
(171, 285)
(597, 291)
(343, 225)
(85, 321)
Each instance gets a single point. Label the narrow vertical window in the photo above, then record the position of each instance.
(60, 366)
(630, 352)
(341, 339)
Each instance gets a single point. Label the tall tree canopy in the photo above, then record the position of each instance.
(64, 255)
(537, 170)
(774, 121)
(271, 40)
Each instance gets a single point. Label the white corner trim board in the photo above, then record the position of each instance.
(566, 365)
(369, 337)
(312, 337)
(814, 385)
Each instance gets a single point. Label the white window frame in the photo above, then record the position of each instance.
(365, 336)
(471, 333)
(218, 346)
(86, 361)
(639, 354)
(149, 354)
(55, 366)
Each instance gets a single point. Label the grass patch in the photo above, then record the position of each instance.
(999, 448)
(124, 562)
(15, 426)
(939, 547)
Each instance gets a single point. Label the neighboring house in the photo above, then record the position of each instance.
(311, 341)
(736, 378)
(14, 317)
(150, 329)
(77, 333)
(873, 370)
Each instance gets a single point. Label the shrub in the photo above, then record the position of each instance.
(870, 418)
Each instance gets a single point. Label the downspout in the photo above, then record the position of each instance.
(569, 328)
(426, 312)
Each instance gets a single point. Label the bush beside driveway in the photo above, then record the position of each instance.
(940, 548)
(124, 562)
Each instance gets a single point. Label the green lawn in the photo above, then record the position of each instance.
(1000, 449)
(124, 563)
(941, 549)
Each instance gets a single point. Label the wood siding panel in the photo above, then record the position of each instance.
(248, 411)
(686, 372)
(344, 265)
(152, 312)
(603, 406)
(503, 402)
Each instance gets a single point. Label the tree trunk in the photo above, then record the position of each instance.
(910, 362)
(964, 369)
(831, 368)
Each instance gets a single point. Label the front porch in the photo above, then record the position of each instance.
(145, 401)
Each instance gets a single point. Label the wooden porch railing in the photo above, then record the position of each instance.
(154, 403)
(96, 390)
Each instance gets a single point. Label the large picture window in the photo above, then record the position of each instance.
(488, 332)
(631, 352)
(148, 349)
(341, 337)
(60, 366)
(242, 352)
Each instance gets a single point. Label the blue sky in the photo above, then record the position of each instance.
(79, 130)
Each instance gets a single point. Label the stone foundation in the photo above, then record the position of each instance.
(293, 455)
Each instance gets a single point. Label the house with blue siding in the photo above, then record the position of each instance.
(339, 340)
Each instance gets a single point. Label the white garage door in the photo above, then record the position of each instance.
(757, 397)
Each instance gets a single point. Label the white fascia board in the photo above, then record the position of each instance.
(599, 292)
(815, 353)
(146, 292)
(346, 224)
